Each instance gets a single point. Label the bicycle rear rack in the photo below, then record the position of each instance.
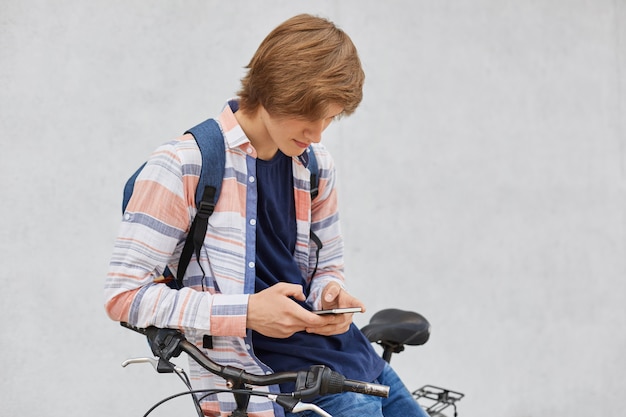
(437, 399)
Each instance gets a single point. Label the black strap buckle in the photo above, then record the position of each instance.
(205, 209)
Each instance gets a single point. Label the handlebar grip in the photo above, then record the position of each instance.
(331, 382)
(367, 388)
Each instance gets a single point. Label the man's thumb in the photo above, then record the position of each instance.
(332, 293)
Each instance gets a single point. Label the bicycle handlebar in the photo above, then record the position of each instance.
(318, 380)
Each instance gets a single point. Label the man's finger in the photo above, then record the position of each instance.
(332, 292)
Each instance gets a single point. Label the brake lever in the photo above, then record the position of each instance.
(159, 365)
(293, 405)
(312, 407)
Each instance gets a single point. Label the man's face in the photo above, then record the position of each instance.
(293, 135)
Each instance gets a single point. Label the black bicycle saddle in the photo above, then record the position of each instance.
(397, 327)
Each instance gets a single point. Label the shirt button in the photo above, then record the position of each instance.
(127, 216)
(251, 178)
(250, 264)
(249, 150)
(248, 346)
(252, 222)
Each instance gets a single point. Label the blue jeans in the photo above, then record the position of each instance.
(348, 404)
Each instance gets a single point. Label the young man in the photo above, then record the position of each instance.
(258, 276)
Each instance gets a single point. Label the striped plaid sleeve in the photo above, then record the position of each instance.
(154, 224)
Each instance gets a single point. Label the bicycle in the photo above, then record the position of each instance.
(390, 328)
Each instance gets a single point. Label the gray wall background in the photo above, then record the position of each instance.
(482, 183)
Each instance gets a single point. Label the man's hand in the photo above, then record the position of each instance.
(333, 296)
(273, 313)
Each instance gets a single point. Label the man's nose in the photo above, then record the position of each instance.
(313, 132)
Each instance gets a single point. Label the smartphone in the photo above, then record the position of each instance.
(339, 310)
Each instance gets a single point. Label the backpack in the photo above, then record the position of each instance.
(210, 140)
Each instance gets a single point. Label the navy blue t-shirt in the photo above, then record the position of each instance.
(349, 353)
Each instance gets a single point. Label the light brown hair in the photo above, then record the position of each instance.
(301, 67)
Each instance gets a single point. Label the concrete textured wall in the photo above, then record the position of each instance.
(482, 183)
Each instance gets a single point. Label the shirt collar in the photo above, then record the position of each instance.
(233, 133)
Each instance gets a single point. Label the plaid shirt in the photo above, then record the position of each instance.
(152, 235)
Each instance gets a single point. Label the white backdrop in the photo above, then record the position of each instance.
(482, 183)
